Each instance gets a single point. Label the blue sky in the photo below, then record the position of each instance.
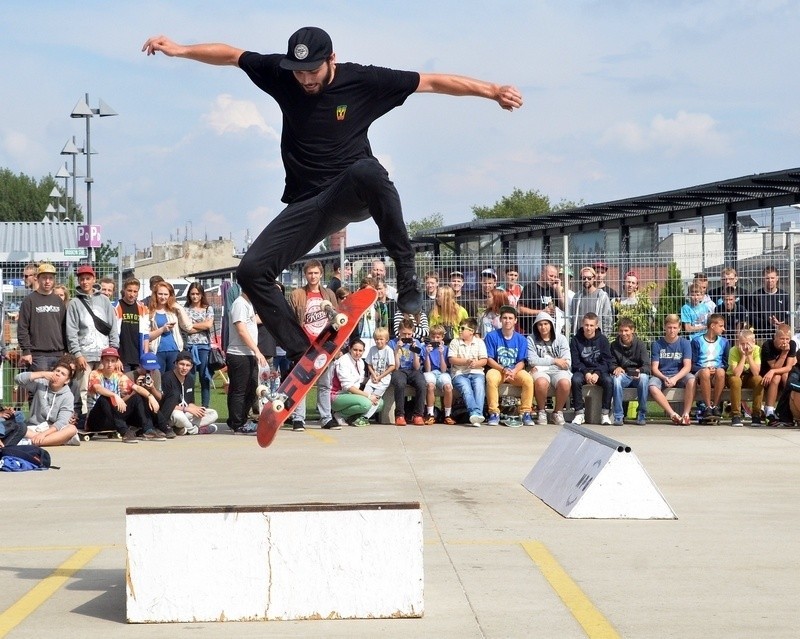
(622, 98)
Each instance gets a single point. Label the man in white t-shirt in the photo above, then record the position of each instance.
(306, 302)
(243, 359)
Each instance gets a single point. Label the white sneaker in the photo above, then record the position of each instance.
(558, 418)
(340, 419)
(74, 441)
(476, 419)
(605, 420)
(541, 418)
(579, 419)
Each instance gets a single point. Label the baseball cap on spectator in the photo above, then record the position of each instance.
(44, 267)
(456, 274)
(309, 47)
(109, 352)
(600, 264)
(489, 272)
(149, 362)
(184, 355)
(85, 269)
(632, 273)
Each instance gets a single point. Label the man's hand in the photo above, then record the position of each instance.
(163, 44)
(195, 411)
(120, 403)
(509, 97)
(80, 363)
(25, 360)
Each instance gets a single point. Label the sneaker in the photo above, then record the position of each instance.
(558, 418)
(527, 419)
(400, 421)
(340, 419)
(430, 420)
(580, 418)
(494, 420)
(618, 421)
(298, 426)
(209, 429)
(129, 437)
(418, 421)
(641, 420)
(409, 297)
(250, 428)
(736, 420)
(451, 422)
(477, 419)
(74, 441)
(756, 422)
(605, 419)
(332, 424)
(541, 418)
(170, 434)
(716, 411)
(360, 422)
(151, 435)
(179, 430)
(771, 419)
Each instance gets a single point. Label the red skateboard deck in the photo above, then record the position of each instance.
(311, 365)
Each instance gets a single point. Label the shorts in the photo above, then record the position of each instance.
(656, 381)
(439, 379)
(553, 376)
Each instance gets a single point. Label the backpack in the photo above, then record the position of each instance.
(26, 457)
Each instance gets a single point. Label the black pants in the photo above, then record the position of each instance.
(363, 190)
(605, 382)
(105, 416)
(405, 377)
(242, 384)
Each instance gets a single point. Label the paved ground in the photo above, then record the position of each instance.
(728, 567)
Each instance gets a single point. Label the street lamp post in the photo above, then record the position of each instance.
(82, 110)
(64, 173)
(71, 149)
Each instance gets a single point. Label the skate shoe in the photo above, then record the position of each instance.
(409, 297)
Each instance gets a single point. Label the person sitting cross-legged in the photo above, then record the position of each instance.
(631, 370)
(591, 364)
(50, 421)
(178, 410)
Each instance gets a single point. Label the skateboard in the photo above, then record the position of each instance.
(86, 435)
(509, 412)
(313, 362)
(709, 420)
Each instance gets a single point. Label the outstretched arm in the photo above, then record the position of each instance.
(212, 53)
(506, 95)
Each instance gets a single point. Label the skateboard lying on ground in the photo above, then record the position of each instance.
(313, 362)
(86, 435)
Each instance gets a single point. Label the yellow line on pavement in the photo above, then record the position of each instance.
(321, 436)
(42, 591)
(594, 624)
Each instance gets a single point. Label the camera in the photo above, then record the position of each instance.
(407, 340)
(435, 344)
(416, 349)
(148, 380)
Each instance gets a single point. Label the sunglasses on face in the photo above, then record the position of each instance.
(466, 328)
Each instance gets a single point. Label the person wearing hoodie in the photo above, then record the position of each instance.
(91, 326)
(591, 364)
(49, 423)
(631, 369)
(550, 360)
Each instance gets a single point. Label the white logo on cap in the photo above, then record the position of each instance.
(301, 52)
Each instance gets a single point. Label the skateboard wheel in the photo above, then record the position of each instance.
(326, 306)
(277, 405)
(86, 438)
(261, 391)
(339, 321)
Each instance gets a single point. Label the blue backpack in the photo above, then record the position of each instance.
(25, 457)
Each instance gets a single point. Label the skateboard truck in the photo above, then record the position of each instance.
(336, 319)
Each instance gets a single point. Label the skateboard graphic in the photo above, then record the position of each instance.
(313, 362)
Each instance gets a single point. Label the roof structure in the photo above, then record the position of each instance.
(37, 241)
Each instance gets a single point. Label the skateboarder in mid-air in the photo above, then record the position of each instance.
(332, 178)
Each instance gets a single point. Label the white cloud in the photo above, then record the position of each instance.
(686, 132)
(232, 116)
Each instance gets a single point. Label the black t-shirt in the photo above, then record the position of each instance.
(129, 339)
(770, 352)
(535, 295)
(324, 134)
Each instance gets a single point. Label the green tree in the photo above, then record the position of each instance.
(415, 227)
(671, 298)
(105, 258)
(522, 204)
(23, 199)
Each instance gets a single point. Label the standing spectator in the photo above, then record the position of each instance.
(431, 287)
(107, 287)
(167, 320)
(178, 412)
(306, 302)
(378, 271)
(50, 421)
(468, 358)
(134, 325)
(701, 280)
(490, 318)
(62, 292)
(744, 371)
(512, 286)
(671, 367)
(591, 300)
(408, 372)
(507, 352)
(778, 357)
(243, 359)
(546, 294)
(42, 322)
(385, 309)
(551, 362)
(631, 289)
(457, 284)
(30, 275)
(488, 284)
(592, 362)
(154, 279)
(198, 338)
(728, 279)
(447, 313)
(631, 369)
(601, 269)
(340, 275)
(694, 314)
(709, 364)
(733, 310)
(91, 326)
(770, 306)
(436, 376)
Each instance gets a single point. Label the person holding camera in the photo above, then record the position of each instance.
(408, 362)
(631, 369)
(436, 376)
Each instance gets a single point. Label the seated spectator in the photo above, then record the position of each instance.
(551, 361)
(147, 379)
(408, 372)
(12, 426)
(467, 357)
(507, 352)
(591, 364)
(744, 371)
(694, 314)
(50, 420)
(380, 365)
(349, 401)
(178, 410)
(436, 376)
(671, 367)
(631, 369)
(778, 357)
(709, 364)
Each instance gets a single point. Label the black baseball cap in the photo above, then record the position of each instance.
(309, 47)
